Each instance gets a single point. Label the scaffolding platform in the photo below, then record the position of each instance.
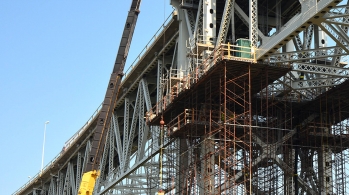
(236, 73)
(192, 122)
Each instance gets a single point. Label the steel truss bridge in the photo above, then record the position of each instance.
(230, 97)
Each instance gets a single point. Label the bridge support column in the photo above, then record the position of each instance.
(289, 181)
(325, 168)
(208, 168)
(182, 174)
(209, 21)
(183, 38)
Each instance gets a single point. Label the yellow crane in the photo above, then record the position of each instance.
(91, 172)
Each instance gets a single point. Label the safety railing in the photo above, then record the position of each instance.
(202, 39)
(184, 83)
(187, 78)
(192, 116)
(188, 116)
(240, 53)
(66, 146)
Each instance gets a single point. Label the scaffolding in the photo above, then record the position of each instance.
(233, 135)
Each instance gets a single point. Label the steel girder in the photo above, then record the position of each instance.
(314, 66)
(138, 177)
(294, 26)
(253, 15)
(227, 15)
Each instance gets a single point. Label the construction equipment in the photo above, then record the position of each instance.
(91, 172)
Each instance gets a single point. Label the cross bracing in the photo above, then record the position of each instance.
(255, 104)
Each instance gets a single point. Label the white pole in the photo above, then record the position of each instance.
(43, 147)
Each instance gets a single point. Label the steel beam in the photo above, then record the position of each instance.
(253, 16)
(227, 15)
(306, 55)
(316, 83)
(294, 26)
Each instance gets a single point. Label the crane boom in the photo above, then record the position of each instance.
(90, 172)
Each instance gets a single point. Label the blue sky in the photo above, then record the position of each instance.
(55, 58)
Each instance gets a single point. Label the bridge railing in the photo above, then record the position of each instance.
(147, 46)
(66, 146)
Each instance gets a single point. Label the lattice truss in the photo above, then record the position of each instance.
(67, 179)
(238, 138)
(135, 167)
(313, 42)
(319, 59)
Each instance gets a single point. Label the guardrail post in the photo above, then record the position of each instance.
(228, 50)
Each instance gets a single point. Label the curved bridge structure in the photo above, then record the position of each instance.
(229, 97)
